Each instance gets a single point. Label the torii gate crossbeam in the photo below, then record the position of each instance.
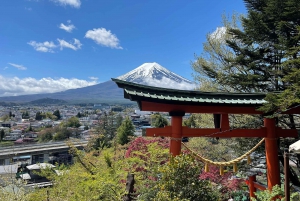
(179, 102)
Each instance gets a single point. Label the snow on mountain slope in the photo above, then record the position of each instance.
(153, 74)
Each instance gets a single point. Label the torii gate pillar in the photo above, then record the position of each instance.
(176, 123)
(273, 172)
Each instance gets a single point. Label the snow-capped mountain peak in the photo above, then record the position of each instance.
(153, 74)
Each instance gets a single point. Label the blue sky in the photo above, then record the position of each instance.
(53, 45)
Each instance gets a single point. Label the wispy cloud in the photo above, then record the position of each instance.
(29, 9)
(103, 37)
(16, 86)
(93, 78)
(64, 44)
(68, 28)
(43, 47)
(74, 3)
(20, 67)
(5, 68)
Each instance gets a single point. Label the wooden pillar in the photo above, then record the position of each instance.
(272, 160)
(175, 142)
(252, 189)
(286, 175)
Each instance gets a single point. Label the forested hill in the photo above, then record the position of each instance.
(48, 101)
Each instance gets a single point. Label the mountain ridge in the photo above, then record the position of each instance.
(151, 74)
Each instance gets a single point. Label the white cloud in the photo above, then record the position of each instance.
(29, 9)
(168, 83)
(16, 86)
(219, 33)
(5, 68)
(74, 3)
(43, 47)
(93, 78)
(68, 28)
(20, 67)
(103, 37)
(64, 44)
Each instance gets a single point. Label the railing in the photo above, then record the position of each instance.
(253, 185)
(39, 146)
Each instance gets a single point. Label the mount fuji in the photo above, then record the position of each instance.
(151, 74)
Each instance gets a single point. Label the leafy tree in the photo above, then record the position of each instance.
(119, 120)
(190, 122)
(106, 130)
(46, 135)
(212, 66)
(62, 134)
(158, 121)
(276, 192)
(57, 114)
(2, 134)
(125, 131)
(73, 122)
(179, 180)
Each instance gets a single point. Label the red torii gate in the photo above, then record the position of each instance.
(179, 102)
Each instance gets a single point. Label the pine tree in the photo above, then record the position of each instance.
(267, 49)
(125, 131)
(265, 57)
(57, 114)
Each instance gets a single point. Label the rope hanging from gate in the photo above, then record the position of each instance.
(228, 163)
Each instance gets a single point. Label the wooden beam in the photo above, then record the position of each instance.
(260, 186)
(216, 132)
(286, 132)
(163, 107)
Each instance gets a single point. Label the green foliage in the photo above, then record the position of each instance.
(277, 192)
(158, 121)
(5, 118)
(106, 130)
(73, 122)
(212, 66)
(46, 135)
(179, 180)
(39, 116)
(25, 115)
(57, 114)
(190, 122)
(125, 131)
(62, 134)
(76, 183)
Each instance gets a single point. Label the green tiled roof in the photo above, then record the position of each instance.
(138, 92)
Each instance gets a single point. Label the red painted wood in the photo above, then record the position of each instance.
(252, 189)
(259, 186)
(162, 107)
(224, 122)
(207, 132)
(175, 142)
(272, 160)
